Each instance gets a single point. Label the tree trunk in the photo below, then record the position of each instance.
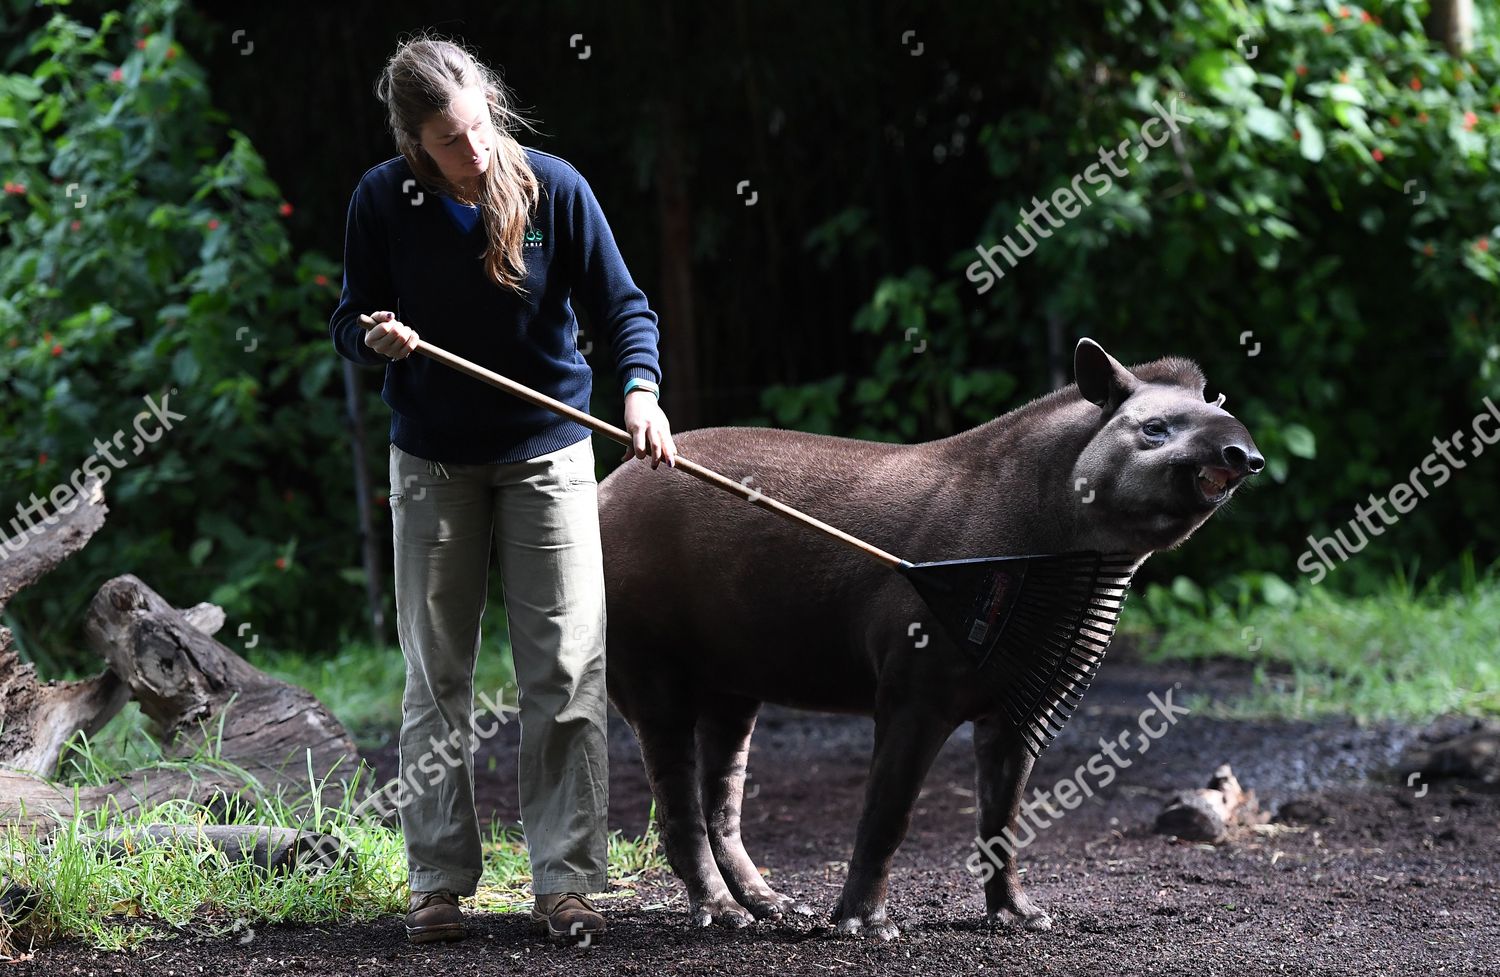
(1451, 24)
(37, 718)
(250, 736)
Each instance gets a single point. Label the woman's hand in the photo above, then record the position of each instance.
(391, 338)
(649, 431)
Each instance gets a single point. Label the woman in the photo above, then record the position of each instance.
(478, 244)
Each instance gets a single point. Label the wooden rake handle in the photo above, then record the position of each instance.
(753, 496)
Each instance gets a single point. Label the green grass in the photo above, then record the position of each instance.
(362, 683)
(162, 891)
(158, 892)
(1404, 654)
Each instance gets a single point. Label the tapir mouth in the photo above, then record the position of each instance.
(1214, 484)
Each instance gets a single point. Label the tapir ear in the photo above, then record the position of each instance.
(1101, 378)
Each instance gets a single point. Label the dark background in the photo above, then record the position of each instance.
(820, 106)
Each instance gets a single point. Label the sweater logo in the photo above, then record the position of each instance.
(534, 238)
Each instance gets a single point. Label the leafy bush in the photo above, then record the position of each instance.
(1320, 236)
(146, 257)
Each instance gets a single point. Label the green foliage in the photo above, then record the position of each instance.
(146, 256)
(1320, 236)
(1407, 653)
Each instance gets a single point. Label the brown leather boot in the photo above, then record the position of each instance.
(567, 916)
(434, 916)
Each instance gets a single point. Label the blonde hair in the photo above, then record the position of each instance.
(420, 80)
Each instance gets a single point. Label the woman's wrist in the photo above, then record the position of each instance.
(639, 383)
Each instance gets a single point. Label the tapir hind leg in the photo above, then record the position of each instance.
(665, 733)
(1002, 767)
(907, 740)
(724, 727)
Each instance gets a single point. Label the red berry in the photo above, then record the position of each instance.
(281, 563)
(1470, 120)
(1483, 244)
(213, 223)
(117, 75)
(76, 225)
(1364, 15)
(1327, 28)
(320, 280)
(1415, 84)
(285, 209)
(140, 45)
(57, 350)
(1301, 69)
(41, 459)
(1379, 156)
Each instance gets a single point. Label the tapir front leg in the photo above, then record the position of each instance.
(1003, 766)
(907, 739)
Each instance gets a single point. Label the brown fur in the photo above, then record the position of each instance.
(715, 605)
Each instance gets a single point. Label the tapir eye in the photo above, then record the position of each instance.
(1156, 430)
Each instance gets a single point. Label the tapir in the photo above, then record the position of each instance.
(715, 606)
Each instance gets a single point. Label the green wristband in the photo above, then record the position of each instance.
(643, 384)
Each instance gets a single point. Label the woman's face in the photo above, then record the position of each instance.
(461, 140)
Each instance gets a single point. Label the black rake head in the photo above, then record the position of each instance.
(1039, 624)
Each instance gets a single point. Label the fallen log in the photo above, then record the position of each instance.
(1206, 813)
(39, 807)
(232, 736)
(269, 849)
(199, 693)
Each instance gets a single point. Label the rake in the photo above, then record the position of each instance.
(1038, 624)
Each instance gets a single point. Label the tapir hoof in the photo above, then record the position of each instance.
(873, 924)
(724, 911)
(773, 905)
(1033, 919)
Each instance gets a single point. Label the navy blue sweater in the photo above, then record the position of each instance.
(407, 251)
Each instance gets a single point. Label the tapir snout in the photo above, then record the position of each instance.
(1229, 457)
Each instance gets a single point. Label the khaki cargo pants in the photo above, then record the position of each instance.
(543, 518)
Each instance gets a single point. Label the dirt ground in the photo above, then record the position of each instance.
(1371, 877)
